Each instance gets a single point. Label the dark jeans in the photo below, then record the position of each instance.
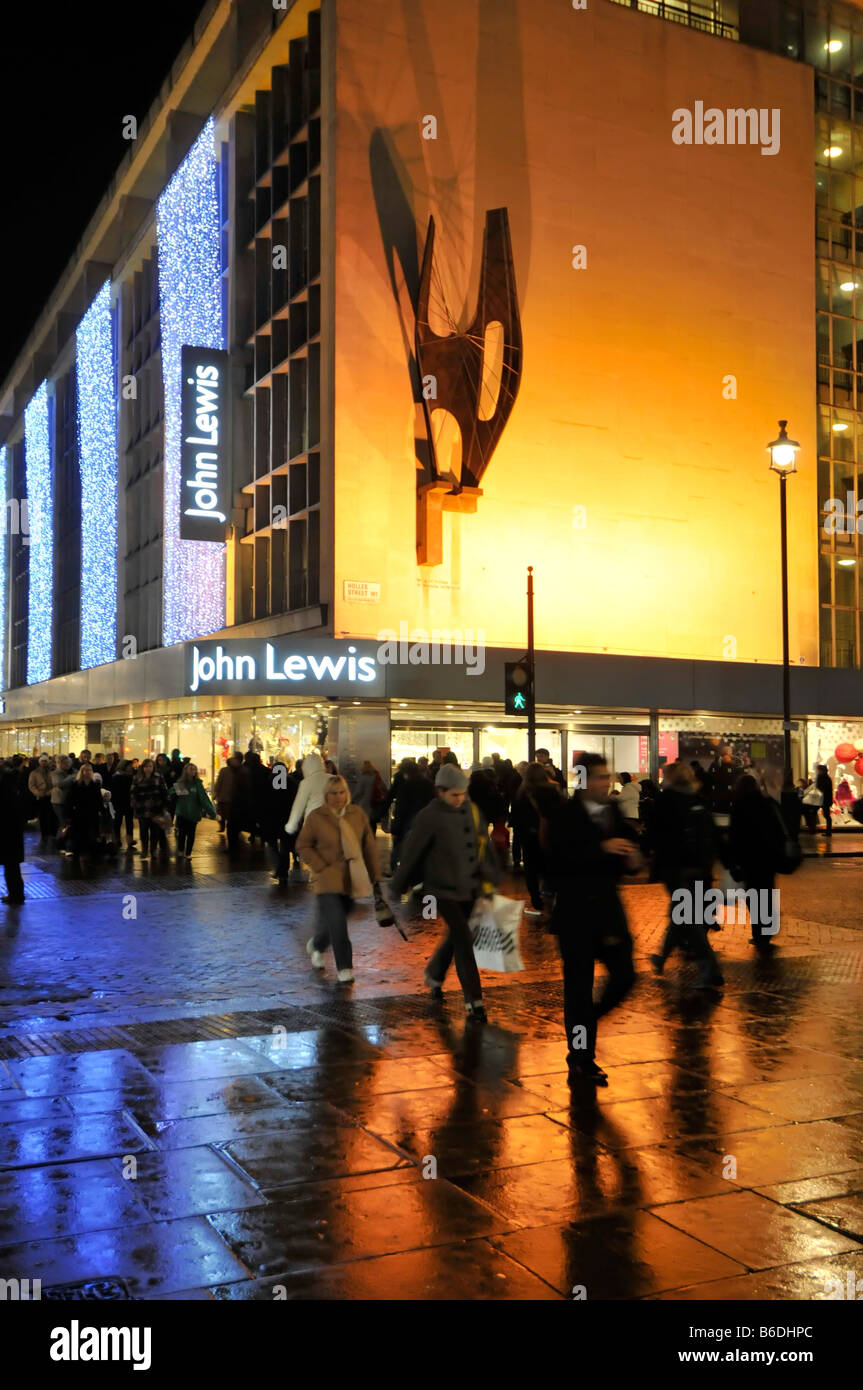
(185, 834)
(588, 933)
(517, 851)
(532, 870)
(152, 836)
(332, 929)
(47, 819)
(235, 828)
(14, 883)
(810, 816)
(691, 935)
(765, 930)
(828, 821)
(283, 848)
(395, 849)
(457, 943)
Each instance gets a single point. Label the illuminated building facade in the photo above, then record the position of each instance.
(472, 315)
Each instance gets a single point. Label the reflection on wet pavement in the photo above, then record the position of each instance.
(372, 1147)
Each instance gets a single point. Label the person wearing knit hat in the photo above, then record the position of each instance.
(447, 849)
(451, 778)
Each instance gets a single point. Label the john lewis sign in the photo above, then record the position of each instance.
(204, 447)
(283, 666)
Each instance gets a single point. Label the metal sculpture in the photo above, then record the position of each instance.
(479, 400)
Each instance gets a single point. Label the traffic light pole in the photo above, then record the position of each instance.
(531, 714)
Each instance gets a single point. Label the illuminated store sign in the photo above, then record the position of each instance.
(204, 443)
(281, 665)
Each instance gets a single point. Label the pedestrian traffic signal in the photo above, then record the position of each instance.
(518, 693)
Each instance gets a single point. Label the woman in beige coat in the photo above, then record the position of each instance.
(336, 842)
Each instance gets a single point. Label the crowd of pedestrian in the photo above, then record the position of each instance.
(453, 833)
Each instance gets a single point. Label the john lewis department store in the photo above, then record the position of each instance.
(212, 697)
(225, 428)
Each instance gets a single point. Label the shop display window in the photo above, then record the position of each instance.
(751, 743)
(839, 747)
(421, 743)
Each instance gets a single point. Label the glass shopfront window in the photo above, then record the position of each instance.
(136, 739)
(751, 743)
(839, 747)
(421, 743)
(512, 743)
(194, 738)
(623, 753)
(279, 732)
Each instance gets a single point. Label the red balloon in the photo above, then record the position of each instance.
(845, 753)
(858, 767)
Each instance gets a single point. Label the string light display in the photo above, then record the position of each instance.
(40, 515)
(5, 487)
(190, 305)
(97, 459)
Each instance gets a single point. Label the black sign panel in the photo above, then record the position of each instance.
(285, 666)
(204, 458)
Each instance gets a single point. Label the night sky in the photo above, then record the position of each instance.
(70, 75)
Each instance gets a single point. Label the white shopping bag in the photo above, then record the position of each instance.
(494, 925)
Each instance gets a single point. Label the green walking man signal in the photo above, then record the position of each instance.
(518, 692)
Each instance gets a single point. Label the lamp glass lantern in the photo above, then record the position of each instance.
(783, 452)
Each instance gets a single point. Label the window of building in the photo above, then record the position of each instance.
(277, 153)
(141, 439)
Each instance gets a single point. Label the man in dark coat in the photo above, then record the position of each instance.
(685, 846)
(588, 846)
(281, 794)
(411, 792)
(553, 773)
(11, 838)
(255, 789)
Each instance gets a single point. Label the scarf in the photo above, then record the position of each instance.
(361, 884)
(486, 886)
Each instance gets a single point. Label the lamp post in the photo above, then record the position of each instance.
(783, 460)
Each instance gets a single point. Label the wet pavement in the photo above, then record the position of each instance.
(187, 1107)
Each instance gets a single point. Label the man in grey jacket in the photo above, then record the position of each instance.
(447, 849)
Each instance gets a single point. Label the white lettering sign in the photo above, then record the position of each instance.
(324, 669)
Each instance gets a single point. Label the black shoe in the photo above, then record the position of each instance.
(435, 989)
(475, 1013)
(13, 902)
(587, 1072)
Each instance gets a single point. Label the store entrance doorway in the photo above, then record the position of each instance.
(625, 750)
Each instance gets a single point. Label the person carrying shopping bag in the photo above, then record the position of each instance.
(447, 849)
(336, 842)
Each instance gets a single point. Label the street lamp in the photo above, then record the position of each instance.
(783, 460)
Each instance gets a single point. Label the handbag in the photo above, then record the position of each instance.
(500, 836)
(163, 820)
(494, 925)
(813, 797)
(384, 912)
